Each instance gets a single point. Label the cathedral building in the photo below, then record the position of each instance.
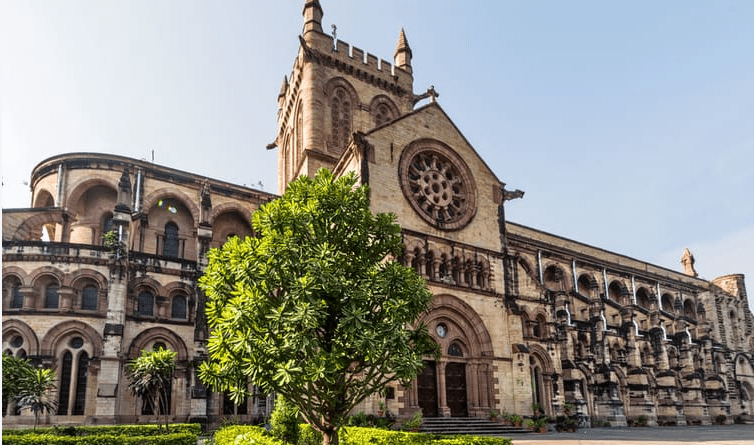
(523, 318)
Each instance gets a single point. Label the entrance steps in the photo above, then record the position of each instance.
(468, 425)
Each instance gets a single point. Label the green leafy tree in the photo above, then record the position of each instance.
(316, 309)
(37, 393)
(17, 373)
(150, 378)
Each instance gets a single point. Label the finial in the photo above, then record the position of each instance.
(688, 263)
(284, 86)
(312, 16)
(403, 54)
(334, 31)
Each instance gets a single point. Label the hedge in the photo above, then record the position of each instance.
(245, 435)
(100, 439)
(114, 430)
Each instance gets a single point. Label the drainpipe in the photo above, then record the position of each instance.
(539, 266)
(59, 199)
(575, 280)
(137, 195)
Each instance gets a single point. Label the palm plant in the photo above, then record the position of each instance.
(36, 394)
(150, 377)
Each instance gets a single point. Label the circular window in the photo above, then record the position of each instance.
(17, 341)
(438, 184)
(76, 342)
(441, 330)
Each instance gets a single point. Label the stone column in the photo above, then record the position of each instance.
(442, 396)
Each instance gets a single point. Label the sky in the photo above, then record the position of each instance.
(629, 125)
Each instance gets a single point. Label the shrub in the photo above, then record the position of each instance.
(414, 422)
(100, 439)
(113, 430)
(720, 419)
(284, 421)
(246, 435)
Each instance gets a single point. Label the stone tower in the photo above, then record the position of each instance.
(334, 91)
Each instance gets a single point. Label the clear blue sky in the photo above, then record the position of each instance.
(630, 125)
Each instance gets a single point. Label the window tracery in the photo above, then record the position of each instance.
(340, 115)
(438, 184)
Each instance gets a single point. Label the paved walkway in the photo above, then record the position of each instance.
(711, 435)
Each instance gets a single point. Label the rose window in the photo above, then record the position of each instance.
(438, 184)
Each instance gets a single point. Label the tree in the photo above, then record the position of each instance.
(316, 309)
(37, 393)
(151, 377)
(17, 374)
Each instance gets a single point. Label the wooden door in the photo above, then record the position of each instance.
(426, 386)
(455, 386)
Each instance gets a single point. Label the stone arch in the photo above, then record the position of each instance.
(231, 220)
(464, 383)
(554, 277)
(145, 282)
(382, 110)
(689, 309)
(75, 277)
(61, 330)
(13, 326)
(588, 285)
(542, 375)
(644, 298)
(43, 199)
(617, 291)
(151, 335)
(17, 272)
(452, 308)
(342, 103)
(31, 228)
(46, 271)
(336, 82)
(666, 303)
(82, 187)
(171, 192)
(92, 201)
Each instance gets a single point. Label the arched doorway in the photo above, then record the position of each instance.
(459, 383)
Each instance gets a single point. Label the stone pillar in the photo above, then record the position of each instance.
(67, 295)
(472, 377)
(28, 293)
(442, 396)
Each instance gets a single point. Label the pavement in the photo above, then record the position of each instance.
(678, 435)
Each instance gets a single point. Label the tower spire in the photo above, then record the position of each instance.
(403, 54)
(312, 16)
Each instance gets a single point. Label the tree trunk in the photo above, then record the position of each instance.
(330, 437)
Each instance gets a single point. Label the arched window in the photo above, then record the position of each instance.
(382, 115)
(170, 246)
(89, 298)
(12, 293)
(145, 304)
(615, 292)
(688, 309)
(51, 297)
(107, 225)
(540, 327)
(299, 134)
(430, 264)
(553, 278)
(73, 376)
(340, 109)
(585, 286)
(178, 309)
(454, 350)
(667, 303)
(642, 298)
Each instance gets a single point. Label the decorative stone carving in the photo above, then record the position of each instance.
(438, 184)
